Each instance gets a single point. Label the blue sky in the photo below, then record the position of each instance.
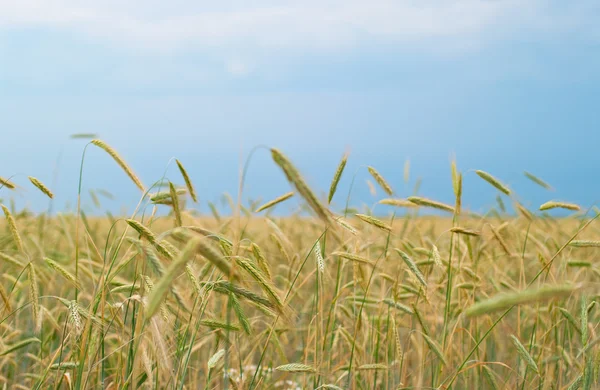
(506, 86)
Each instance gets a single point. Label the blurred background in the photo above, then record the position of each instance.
(505, 86)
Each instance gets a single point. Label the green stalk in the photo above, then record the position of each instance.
(262, 355)
(387, 243)
(466, 359)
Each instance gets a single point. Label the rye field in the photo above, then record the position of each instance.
(425, 295)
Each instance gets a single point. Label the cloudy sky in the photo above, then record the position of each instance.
(504, 85)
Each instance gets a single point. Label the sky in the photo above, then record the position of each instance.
(505, 86)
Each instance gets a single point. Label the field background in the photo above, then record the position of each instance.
(165, 298)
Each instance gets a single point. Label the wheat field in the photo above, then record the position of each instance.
(427, 296)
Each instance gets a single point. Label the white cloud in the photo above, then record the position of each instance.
(304, 24)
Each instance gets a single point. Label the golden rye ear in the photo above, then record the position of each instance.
(381, 181)
(119, 160)
(34, 295)
(188, 181)
(494, 182)
(296, 179)
(336, 177)
(274, 202)
(176, 267)
(12, 225)
(5, 183)
(424, 202)
(40, 186)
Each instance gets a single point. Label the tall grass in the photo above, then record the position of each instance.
(169, 298)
